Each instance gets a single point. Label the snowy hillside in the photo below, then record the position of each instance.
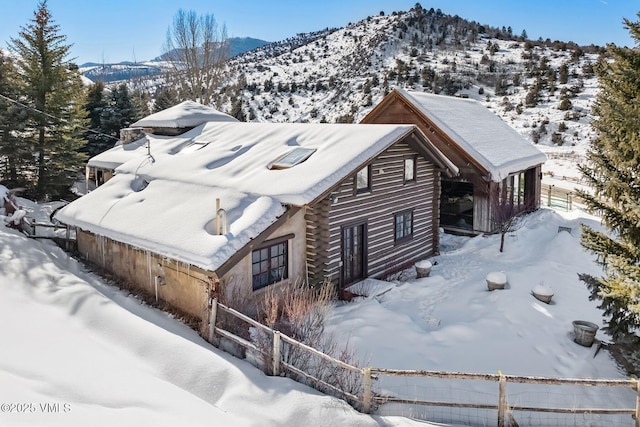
(345, 69)
(543, 89)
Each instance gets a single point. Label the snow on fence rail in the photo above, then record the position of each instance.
(273, 360)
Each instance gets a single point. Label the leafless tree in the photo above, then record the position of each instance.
(507, 216)
(196, 49)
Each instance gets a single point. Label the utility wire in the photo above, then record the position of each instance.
(54, 117)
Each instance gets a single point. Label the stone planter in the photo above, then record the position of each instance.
(584, 332)
(542, 293)
(496, 280)
(423, 268)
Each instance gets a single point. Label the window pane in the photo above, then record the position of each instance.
(269, 265)
(362, 179)
(403, 225)
(409, 169)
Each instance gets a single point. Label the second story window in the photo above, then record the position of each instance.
(363, 180)
(409, 169)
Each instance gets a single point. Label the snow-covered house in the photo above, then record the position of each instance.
(172, 121)
(238, 207)
(496, 163)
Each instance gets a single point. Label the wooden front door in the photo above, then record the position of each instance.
(354, 250)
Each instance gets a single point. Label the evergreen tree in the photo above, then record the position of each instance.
(564, 74)
(165, 98)
(119, 113)
(53, 90)
(613, 171)
(237, 110)
(141, 102)
(15, 151)
(97, 140)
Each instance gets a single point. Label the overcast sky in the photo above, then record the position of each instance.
(135, 30)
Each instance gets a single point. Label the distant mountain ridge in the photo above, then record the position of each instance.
(128, 70)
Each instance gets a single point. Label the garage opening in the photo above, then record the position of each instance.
(456, 204)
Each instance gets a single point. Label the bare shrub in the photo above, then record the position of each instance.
(232, 296)
(300, 312)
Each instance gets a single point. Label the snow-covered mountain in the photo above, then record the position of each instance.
(544, 89)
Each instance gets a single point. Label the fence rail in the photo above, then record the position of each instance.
(367, 400)
(557, 197)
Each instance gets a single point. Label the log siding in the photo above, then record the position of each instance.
(395, 109)
(390, 194)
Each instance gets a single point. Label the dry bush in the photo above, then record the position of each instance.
(300, 312)
(233, 297)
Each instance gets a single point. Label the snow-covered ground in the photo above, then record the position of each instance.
(450, 321)
(77, 351)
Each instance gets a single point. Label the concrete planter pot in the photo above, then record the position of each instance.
(496, 280)
(423, 268)
(584, 332)
(542, 293)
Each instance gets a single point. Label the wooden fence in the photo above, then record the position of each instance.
(557, 197)
(366, 399)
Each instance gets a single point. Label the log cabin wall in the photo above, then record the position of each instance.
(393, 109)
(389, 195)
(183, 286)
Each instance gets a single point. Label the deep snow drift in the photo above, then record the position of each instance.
(77, 352)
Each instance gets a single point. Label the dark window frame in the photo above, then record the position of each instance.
(403, 221)
(367, 189)
(270, 252)
(414, 161)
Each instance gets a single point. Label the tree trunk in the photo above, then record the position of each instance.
(502, 241)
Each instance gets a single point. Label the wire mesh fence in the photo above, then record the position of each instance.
(471, 399)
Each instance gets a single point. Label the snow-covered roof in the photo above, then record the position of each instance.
(167, 202)
(187, 114)
(122, 153)
(495, 145)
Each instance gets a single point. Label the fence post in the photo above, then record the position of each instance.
(366, 392)
(549, 196)
(212, 319)
(276, 353)
(637, 414)
(502, 400)
(569, 201)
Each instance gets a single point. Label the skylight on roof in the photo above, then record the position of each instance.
(292, 158)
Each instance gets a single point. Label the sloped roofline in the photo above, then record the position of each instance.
(417, 141)
(476, 159)
(412, 105)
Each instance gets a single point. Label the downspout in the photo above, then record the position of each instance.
(158, 280)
